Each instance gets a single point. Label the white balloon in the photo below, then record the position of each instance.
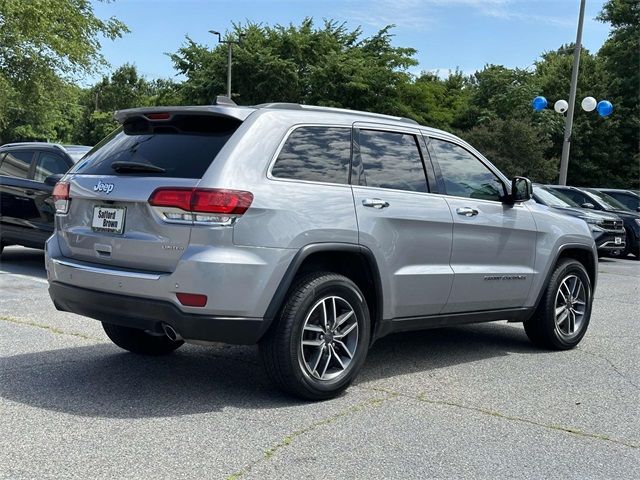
(589, 104)
(561, 106)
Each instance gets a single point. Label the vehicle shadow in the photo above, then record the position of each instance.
(102, 381)
(23, 261)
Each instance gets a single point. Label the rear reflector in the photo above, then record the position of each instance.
(192, 299)
(203, 200)
(61, 197)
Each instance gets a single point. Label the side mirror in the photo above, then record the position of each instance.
(51, 180)
(521, 189)
(588, 205)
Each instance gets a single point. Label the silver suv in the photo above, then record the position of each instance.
(311, 231)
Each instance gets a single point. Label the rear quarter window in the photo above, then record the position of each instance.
(183, 147)
(315, 153)
(16, 163)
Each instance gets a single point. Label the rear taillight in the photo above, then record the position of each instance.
(200, 205)
(61, 197)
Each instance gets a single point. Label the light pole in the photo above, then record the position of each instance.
(230, 44)
(568, 122)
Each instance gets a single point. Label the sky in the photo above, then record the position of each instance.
(448, 34)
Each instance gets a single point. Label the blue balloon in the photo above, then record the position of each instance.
(604, 108)
(539, 103)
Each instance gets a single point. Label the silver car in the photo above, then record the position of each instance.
(312, 231)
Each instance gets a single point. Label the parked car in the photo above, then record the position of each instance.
(628, 198)
(312, 231)
(28, 172)
(592, 199)
(607, 228)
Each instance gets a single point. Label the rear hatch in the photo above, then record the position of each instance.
(109, 219)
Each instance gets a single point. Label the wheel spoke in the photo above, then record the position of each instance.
(313, 328)
(343, 318)
(344, 348)
(560, 309)
(313, 343)
(317, 360)
(576, 286)
(337, 357)
(563, 317)
(326, 365)
(579, 302)
(325, 316)
(346, 331)
(564, 297)
(572, 322)
(335, 313)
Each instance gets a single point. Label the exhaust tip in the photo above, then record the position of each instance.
(171, 333)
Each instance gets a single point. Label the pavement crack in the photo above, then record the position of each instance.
(290, 438)
(49, 328)
(510, 418)
(612, 365)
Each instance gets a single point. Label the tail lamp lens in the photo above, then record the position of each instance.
(61, 197)
(203, 205)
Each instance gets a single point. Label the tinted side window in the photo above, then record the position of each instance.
(576, 196)
(319, 154)
(16, 163)
(392, 160)
(465, 175)
(49, 164)
(626, 199)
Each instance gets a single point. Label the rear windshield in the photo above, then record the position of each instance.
(183, 147)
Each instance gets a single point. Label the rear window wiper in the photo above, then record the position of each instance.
(136, 167)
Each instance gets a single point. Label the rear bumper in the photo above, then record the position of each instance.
(147, 314)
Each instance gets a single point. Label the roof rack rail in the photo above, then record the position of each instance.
(22, 144)
(298, 106)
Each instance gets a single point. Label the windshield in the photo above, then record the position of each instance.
(553, 199)
(609, 202)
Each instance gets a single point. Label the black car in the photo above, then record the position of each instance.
(628, 198)
(595, 200)
(607, 228)
(28, 173)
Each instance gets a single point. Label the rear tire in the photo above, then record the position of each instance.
(562, 318)
(321, 338)
(138, 341)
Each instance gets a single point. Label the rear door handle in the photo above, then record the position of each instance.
(375, 203)
(467, 211)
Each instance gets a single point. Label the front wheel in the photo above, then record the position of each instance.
(138, 341)
(321, 338)
(562, 318)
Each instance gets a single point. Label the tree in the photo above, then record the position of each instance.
(330, 65)
(516, 147)
(621, 64)
(124, 88)
(42, 44)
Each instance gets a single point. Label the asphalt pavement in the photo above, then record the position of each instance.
(461, 402)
